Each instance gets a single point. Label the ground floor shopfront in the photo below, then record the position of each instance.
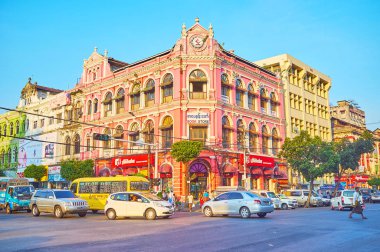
(352, 181)
(205, 173)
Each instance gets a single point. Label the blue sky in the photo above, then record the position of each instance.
(48, 40)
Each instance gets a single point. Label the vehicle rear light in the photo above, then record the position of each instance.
(342, 200)
(256, 201)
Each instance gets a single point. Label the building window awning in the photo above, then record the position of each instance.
(229, 168)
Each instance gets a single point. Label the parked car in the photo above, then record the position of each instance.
(128, 204)
(325, 200)
(271, 195)
(241, 203)
(366, 194)
(59, 202)
(302, 195)
(375, 197)
(343, 199)
(286, 202)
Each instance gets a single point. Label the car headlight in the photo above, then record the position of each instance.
(68, 204)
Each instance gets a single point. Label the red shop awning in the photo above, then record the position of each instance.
(166, 168)
(229, 168)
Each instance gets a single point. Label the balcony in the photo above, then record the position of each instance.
(198, 95)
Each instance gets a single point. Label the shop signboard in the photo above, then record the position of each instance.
(30, 152)
(198, 118)
(256, 160)
(139, 160)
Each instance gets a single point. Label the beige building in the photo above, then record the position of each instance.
(306, 98)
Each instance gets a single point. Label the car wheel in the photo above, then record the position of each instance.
(150, 214)
(58, 212)
(166, 217)
(82, 214)
(35, 211)
(111, 214)
(8, 209)
(261, 215)
(284, 206)
(94, 211)
(208, 212)
(244, 212)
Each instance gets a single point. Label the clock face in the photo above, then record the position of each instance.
(197, 42)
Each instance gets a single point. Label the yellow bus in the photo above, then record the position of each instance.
(96, 190)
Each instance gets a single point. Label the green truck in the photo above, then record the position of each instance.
(15, 194)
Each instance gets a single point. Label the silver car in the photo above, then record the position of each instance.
(241, 203)
(59, 202)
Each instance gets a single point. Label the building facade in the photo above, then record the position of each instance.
(348, 121)
(194, 91)
(306, 102)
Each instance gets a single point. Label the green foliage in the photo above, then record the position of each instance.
(73, 169)
(35, 171)
(374, 182)
(185, 151)
(2, 173)
(310, 156)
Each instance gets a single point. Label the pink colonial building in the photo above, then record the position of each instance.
(196, 90)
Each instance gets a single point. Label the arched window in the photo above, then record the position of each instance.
(149, 132)
(17, 127)
(120, 98)
(226, 89)
(78, 110)
(239, 93)
(167, 132)
(275, 142)
(107, 103)
(240, 134)
(134, 133)
(11, 129)
(9, 156)
(253, 138)
(107, 144)
(15, 154)
(198, 84)
(264, 101)
(27, 124)
(68, 146)
(89, 107)
(135, 97)
(265, 139)
(226, 132)
(88, 142)
(76, 144)
(149, 93)
(119, 134)
(167, 88)
(273, 104)
(95, 105)
(251, 97)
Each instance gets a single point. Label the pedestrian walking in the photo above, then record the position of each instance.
(357, 204)
(206, 196)
(190, 200)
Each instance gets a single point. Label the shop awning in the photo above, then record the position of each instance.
(257, 171)
(130, 171)
(165, 168)
(229, 168)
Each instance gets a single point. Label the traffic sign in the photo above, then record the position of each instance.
(101, 137)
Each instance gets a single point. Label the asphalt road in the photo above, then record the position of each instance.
(314, 229)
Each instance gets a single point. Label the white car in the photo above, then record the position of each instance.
(287, 203)
(128, 204)
(241, 203)
(302, 195)
(270, 195)
(343, 199)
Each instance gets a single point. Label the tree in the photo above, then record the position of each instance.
(35, 171)
(73, 169)
(374, 182)
(350, 153)
(185, 151)
(310, 156)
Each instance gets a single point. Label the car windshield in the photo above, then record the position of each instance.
(252, 195)
(348, 193)
(64, 194)
(150, 196)
(306, 193)
(282, 196)
(24, 190)
(271, 195)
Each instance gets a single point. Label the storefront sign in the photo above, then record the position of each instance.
(255, 160)
(198, 118)
(54, 170)
(353, 178)
(132, 161)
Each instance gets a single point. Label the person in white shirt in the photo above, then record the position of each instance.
(357, 202)
(190, 199)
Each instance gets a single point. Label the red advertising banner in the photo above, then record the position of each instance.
(256, 160)
(353, 178)
(139, 160)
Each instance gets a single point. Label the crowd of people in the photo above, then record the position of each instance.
(177, 202)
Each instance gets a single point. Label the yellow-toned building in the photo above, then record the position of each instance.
(306, 98)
